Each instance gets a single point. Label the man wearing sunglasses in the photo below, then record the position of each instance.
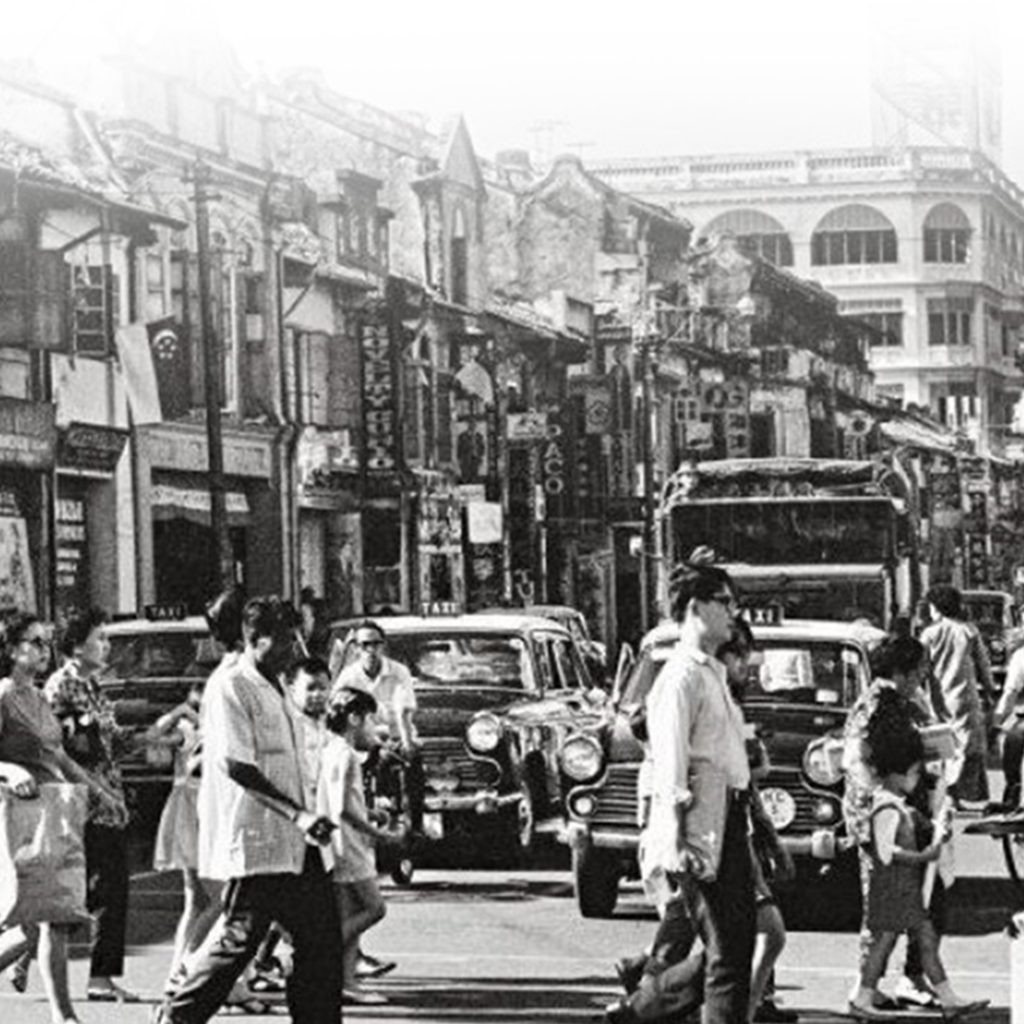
(697, 830)
(390, 683)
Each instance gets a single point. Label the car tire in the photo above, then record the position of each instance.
(595, 875)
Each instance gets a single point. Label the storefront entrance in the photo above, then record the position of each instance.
(186, 569)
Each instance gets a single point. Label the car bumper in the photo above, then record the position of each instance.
(482, 801)
(583, 837)
(823, 844)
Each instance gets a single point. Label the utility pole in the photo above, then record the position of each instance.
(212, 370)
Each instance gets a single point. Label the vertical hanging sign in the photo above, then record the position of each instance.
(379, 396)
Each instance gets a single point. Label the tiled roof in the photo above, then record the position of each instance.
(32, 163)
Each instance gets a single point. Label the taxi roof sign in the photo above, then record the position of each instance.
(165, 612)
(770, 614)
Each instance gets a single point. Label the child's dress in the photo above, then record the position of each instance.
(177, 837)
(895, 900)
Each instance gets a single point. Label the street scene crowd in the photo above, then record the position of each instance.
(268, 820)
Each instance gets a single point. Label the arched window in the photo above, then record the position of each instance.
(853, 234)
(947, 235)
(757, 234)
(459, 257)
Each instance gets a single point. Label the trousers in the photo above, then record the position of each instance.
(723, 914)
(106, 866)
(304, 905)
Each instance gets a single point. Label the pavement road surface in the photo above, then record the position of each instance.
(492, 947)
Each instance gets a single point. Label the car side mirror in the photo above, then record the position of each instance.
(627, 659)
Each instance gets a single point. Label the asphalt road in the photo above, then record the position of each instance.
(508, 945)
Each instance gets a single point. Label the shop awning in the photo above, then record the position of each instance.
(193, 504)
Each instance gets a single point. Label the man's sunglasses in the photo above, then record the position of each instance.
(727, 601)
(370, 643)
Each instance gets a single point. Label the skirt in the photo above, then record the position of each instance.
(177, 837)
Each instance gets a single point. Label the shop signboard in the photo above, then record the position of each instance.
(28, 433)
(526, 426)
(17, 583)
(72, 564)
(90, 447)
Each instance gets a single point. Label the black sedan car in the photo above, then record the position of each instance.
(497, 696)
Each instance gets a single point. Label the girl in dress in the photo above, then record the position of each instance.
(895, 901)
(177, 836)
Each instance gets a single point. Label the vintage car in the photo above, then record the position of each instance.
(594, 653)
(153, 664)
(497, 694)
(808, 675)
(998, 621)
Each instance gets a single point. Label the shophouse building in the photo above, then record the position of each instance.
(925, 242)
(69, 236)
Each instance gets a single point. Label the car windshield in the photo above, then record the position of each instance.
(986, 612)
(158, 655)
(805, 672)
(461, 659)
(790, 671)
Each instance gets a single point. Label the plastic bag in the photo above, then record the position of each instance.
(42, 856)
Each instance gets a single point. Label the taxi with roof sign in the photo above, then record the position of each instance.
(496, 694)
(154, 661)
(804, 678)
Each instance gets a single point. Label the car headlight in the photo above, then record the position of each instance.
(823, 761)
(483, 734)
(581, 758)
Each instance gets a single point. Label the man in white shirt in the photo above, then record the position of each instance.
(256, 833)
(390, 684)
(697, 833)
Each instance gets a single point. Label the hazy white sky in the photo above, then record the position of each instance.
(638, 77)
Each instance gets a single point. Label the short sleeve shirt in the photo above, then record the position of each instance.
(30, 734)
(392, 689)
(246, 718)
(91, 733)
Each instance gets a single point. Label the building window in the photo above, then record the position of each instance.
(756, 234)
(156, 286)
(851, 235)
(956, 403)
(96, 302)
(949, 321)
(889, 327)
(884, 315)
(459, 259)
(947, 235)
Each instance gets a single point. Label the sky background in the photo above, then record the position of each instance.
(639, 78)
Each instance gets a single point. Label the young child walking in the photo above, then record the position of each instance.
(177, 837)
(895, 897)
(341, 797)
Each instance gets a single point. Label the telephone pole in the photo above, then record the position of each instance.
(212, 370)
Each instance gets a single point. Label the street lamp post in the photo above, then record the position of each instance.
(644, 339)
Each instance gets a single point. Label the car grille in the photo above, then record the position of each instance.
(445, 756)
(805, 799)
(616, 796)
